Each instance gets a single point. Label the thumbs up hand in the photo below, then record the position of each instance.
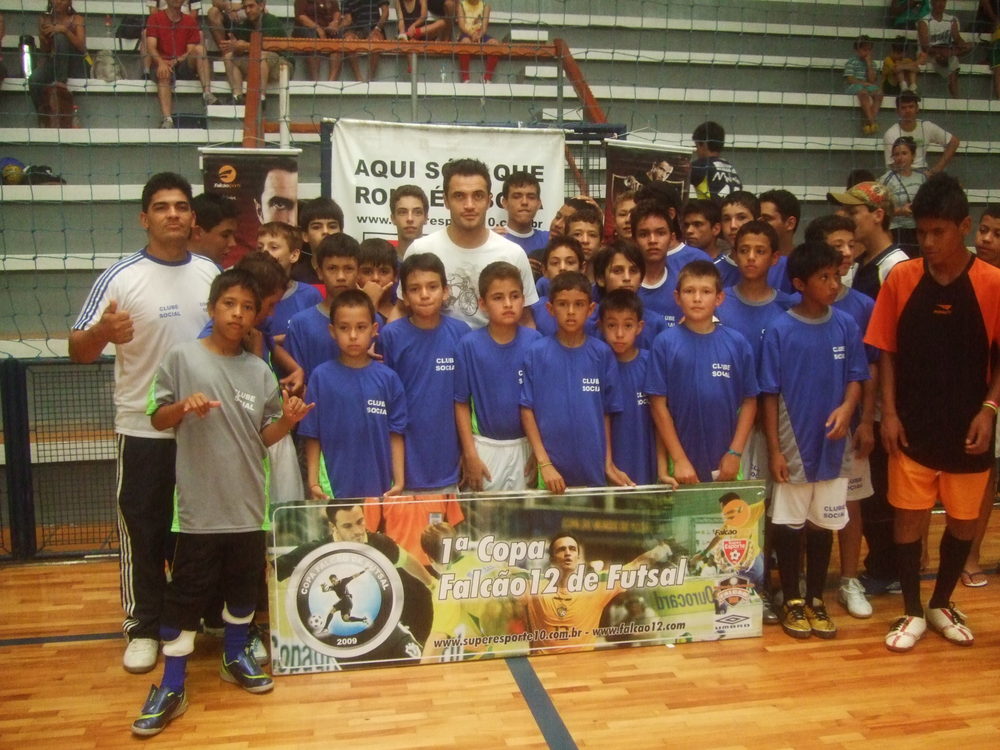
(116, 324)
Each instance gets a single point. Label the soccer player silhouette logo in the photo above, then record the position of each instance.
(344, 603)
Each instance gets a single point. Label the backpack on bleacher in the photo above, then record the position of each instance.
(107, 67)
(131, 28)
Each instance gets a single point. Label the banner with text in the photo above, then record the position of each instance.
(371, 159)
(429, 579)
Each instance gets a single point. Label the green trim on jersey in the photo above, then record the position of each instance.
(151, 405)
(175, 522)
(475, 419)
(266, 466)
(324, 478)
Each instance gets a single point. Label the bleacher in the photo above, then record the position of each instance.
(768, 70)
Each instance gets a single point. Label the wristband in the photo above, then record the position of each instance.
(542, 466)
(731, 452)
(992, 405)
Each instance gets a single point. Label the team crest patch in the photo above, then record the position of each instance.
(735, 550)
(346, 598)
(732, 591)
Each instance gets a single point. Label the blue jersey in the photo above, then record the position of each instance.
(680, 256)
(777, 277)
(633, 438)
(488, 377)
(545, 322)
(356, 409)
(705, 378)
(809, 363)
(859, 306)
(751, 318)
(570, 391)
(537, 240)
(297, 297)
(728, 270)
(309, 340)
(659, 300)
(424, 359)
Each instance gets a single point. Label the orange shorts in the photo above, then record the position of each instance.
(913, 486)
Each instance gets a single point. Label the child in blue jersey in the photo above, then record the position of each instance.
(225, 408)
(620, 265)
(586, 226)
(570, 390)
(421, 349)
(737, 209)
(354, 437)
(561, 254)
(811, 370)
(838, 232)
(283, 242)
(377, 266)
(635, 448)
(701, 384)
(308, 339)
(488, 373)
(318, 219)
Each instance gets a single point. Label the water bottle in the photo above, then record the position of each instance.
(76, 116)
(444, 75)
(107, 25)
(26, 45)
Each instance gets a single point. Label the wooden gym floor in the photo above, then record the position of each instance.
(62, 686)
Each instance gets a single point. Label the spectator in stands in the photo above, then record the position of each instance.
(444, 10)
(988, 22)
(63, 41)
(904, 181)
(173, 41)
(942, 41)
(221, 17)
(411, 18)
(365, 19)
(473, 26)
(317, 19)
(906, 13)
(899, 72)
(860, 77)
(924, 133)
(711, 175)
(236, 48)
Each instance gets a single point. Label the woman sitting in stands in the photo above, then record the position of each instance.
(63, 42)
(904, 181)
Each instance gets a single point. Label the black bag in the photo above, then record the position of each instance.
(130, 27)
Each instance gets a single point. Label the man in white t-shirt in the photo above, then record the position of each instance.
(144, 304)
(941, 40)
(466, 246)
(924, 133)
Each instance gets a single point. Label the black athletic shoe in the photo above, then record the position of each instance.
(245, 672)
(161, 707)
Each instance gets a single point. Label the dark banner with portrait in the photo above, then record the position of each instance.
(366, 583)
(632, 166)
(263, 183)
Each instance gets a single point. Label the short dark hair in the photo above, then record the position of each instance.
(725, 498)
(757, 226)
(562, 535)
(319, 208)
(810, 257)
(408, 191)
(704, 206)
(620, 300)
(786, 203)
(992, 210)
(561, 240)
(497, 270)
(332, 509)
(338, 245)
(414, 262)
(603, 257)
(211, 209)
(941, 197)
(164, 181)
(904, 140)
(587, 215)
(271, 277)
(520, 179)
(232, 278)
(660, 192)
(742, 198)
(465, 168)
(351, 298)
(898, 44)
(907, 97)
(863, 40)
(569, 281)
(647, 208)
(822, 226)
(378, 252)
(700, 269)
(712, 134)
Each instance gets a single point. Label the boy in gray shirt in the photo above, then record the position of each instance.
(225, 405)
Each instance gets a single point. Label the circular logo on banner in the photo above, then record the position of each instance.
(226, 173)
(344, 599)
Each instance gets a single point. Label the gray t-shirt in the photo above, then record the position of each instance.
(222, 463)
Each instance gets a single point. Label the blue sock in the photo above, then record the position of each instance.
(174, 669)
(235, 639)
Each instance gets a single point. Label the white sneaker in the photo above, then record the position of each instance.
(209, 98)
(904, 634)
(852, 595)
(140, 655)
(950, 623)
(257, 647)
(167, 123)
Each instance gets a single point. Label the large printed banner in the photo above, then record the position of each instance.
(631, 166)
(263, 184)
(368, 583)
(370, 159)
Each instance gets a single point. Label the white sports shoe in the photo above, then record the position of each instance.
(852, 595)
(904, 634)
(140, 655)
(950, 623)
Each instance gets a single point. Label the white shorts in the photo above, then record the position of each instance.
(506, 460)
(754, 464)
(823, 504)
(858, 472)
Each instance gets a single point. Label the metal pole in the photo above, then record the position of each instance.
(559, 92)
(413, 86)
(284, 107)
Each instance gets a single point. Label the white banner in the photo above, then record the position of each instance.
(370, 159)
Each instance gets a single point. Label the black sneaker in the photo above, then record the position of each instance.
(161, 707)
(768, 615)
(245, 672)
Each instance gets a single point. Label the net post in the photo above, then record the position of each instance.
(17, 450)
